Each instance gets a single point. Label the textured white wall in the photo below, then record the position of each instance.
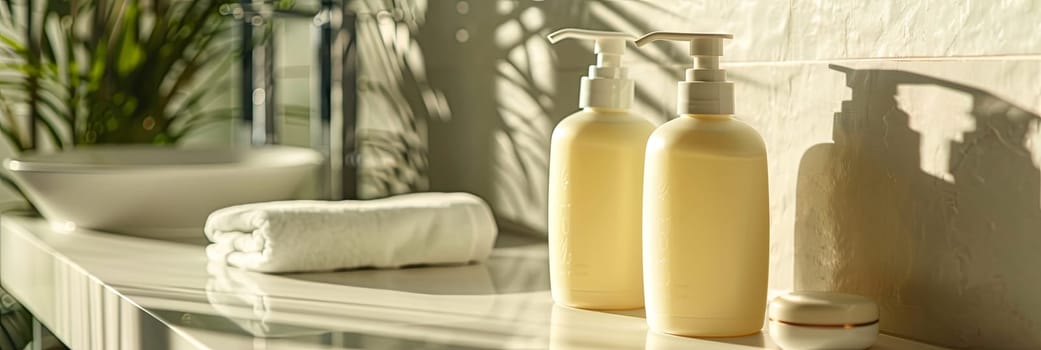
(903, 137)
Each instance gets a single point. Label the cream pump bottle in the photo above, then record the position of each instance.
(595, 186)
(706, 207)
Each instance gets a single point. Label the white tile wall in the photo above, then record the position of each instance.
(903, 137)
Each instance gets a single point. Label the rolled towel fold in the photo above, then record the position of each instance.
(296, 236)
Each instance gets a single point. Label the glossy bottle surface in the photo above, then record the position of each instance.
(595, 208)
(706, 227)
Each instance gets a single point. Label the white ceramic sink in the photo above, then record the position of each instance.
(157, 192)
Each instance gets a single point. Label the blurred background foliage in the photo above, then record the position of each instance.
(110, 71)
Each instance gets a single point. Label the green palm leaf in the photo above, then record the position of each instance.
(126, 81)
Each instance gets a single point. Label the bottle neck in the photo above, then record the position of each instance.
(605, 93)
(709, 116)
(605, 110)
(705, 97)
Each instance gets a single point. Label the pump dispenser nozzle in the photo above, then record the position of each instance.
(705, 89)
(608, 84)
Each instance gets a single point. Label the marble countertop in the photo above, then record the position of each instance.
(100, 291)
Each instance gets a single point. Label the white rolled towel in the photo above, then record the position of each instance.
(296, 236)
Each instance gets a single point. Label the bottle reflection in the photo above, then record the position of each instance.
(660, 341)
(585, 329)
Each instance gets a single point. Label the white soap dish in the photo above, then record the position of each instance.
(823, 320)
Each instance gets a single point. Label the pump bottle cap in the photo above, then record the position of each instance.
(705, 89)
(608, 84)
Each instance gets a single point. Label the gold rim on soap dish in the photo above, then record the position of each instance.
(847, 325)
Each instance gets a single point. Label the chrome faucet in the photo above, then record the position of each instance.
(332, 124)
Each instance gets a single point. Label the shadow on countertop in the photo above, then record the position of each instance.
(519, 264)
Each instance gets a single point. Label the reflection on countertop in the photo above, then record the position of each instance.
(95, 290)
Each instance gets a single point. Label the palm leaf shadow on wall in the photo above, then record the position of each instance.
(508, 87)
(947, 260)
(395, 99)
